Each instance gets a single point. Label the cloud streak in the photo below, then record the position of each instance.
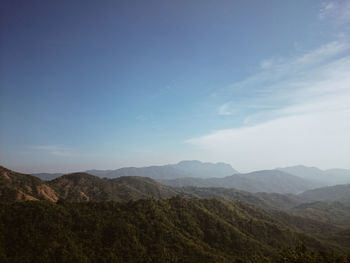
(304, 117)
(338, 11)
(225, 109)
(54, 150)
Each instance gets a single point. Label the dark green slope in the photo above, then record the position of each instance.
(331, 212)
(334, 193)
(263, 200)
(173, 230)
(270, 181)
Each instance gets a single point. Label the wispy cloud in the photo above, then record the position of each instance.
(54, 150)
(225, 109)
(302, 110)
(142, 118)
(337, 10)
(275, 70)
(286, 82)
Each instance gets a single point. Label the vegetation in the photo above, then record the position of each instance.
(334, 193)
(149, 230)
(270, 181)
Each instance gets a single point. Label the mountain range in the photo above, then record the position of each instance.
(260, 181)
(294, 179)
(326, 177)
(93, 218)
(79, 187)
(82, 187)
(169, 171)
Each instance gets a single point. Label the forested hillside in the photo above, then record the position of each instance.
(271, 181)
(173, 230)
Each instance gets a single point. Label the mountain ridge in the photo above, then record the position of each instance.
(327, 177)
(259, 181)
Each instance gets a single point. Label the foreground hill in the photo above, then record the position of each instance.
(264, 200)
(173, 230)
(171, 171)
(334, 213)
(23, 187)
(260, 181)
(79, 187)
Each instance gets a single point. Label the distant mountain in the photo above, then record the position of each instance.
(171, 171)
(260, 181)
(205, 170)
(155, 172)
(338, 176)
(333, 193)
(325, 177)
(47, 176)
(23, 187)
(79, 187)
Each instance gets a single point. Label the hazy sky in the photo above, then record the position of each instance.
(105, 84)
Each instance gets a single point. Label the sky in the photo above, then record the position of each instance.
(108, 84)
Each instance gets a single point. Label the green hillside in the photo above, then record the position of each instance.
(173, 230)
(79, 187)
(334, 193)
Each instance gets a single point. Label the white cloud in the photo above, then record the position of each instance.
(309, 122)
(267, 63)
(278, 69)
(142, 118)
(54, 150)
(316, 139)
(322, 53)
(337, 10)
(225, 109)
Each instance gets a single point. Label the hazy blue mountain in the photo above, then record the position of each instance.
(326, 177)
(155, 172)
(340, 176)
(197, 169)
(47, 176)
(204, 170)
(260, 181)
(334, 193)
(171, 171)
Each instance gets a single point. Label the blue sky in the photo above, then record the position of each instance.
(107, 84)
